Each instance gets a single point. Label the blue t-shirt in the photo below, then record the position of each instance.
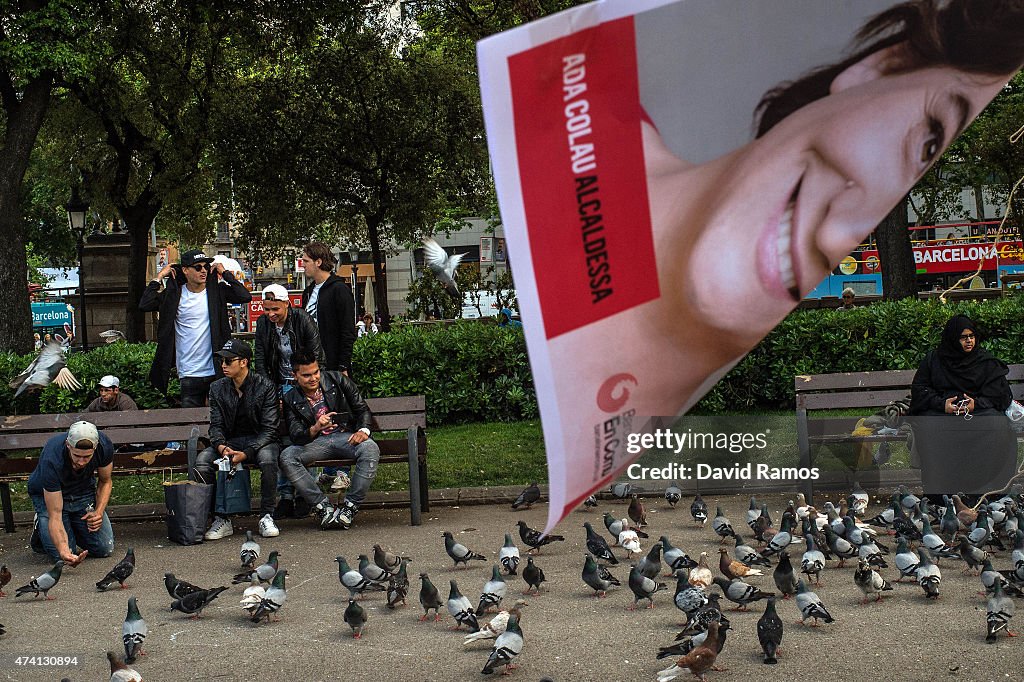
(53, 472)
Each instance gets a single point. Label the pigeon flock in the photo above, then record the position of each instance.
(780, 571)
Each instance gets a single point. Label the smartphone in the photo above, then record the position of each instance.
(338, 418)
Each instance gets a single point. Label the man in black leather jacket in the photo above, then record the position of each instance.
(244, 418)
(327, 418)
(281, 331)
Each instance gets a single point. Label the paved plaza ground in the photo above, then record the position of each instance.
(569, 635)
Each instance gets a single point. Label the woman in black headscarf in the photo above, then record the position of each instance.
(960, 376)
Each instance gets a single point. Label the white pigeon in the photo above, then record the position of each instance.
(495, 627)
(119, 672)
(443, 265)
(48, 366)
(253, 596)
(630, 541)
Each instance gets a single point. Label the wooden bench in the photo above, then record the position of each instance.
(869, 391)
(406, 414)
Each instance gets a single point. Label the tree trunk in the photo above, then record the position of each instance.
(899, 272)
(380, 285)
(138, 219)
(24, 118)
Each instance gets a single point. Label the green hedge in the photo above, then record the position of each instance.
(479, 372)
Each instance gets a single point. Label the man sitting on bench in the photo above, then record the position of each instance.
(327, 419)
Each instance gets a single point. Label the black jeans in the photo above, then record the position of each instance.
(266, 459)
(195, 390)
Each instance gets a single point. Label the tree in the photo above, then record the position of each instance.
(899, 273)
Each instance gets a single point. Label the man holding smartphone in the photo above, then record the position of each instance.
(327, 419)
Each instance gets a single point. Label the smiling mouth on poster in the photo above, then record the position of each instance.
(671, 183)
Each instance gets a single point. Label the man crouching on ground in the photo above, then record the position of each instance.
(327, 419)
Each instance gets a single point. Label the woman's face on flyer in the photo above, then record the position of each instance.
(810, 190)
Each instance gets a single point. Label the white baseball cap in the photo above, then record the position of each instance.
(110, 381)
(275, 292)
(80, 431)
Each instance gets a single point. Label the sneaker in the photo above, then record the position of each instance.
(268, 528)
(285, 509)
(328, 515)
(220, 528)
(341, 482)
(347, 513)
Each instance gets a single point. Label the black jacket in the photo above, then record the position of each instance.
(259, 402)
(336, 318)
(221, 290)
(299, 327)
(340, 394)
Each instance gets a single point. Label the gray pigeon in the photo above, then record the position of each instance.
(928, 574)
(526, 498)
(785, 578)
(533, 575)
(621, 490)
(194, 603)
(905, 560)
(273, 600)
(354, 581)
(43, 583)
(673, 494)
(49, 366)
(386, 560)
(494, 591)
(507, 646)
(810, 605)
(461, 609)
(869, 581)
(740, 593)
(675, 557)
(688, 598)
(459, 553)
(999, 611)
(264, 572)
(443, 265)
(722, 525)
(249, 552)
(372, 571)
(133, 632)
(508, 555)
(650, 565)
(598, 577)
(813, 561)
(598, 546)
(429, 598)
(119, 573)
(355, 616)
(590, 502)
(643, 588)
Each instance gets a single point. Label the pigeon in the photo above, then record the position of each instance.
(643, 588)
(598, 546)
(935, 544)
(355, 616)
(429, 598)
(5, 577)
(630, 541)
(616, 526)
(508, 555)
(372, 571)
(650, 565)
(534, 576)
(494, 591)
(748, 555)
(113, 336)
(354, 581)
(250, 551)
(43, 583)
(636, 511)
(507, 646)
(698, 661)
(688, 598)
(700, 619)
(859, 499)
(133, 632)
(598, 577)
(699, 511)
(675, 557)
(999, 611)
(928, 574)
(731, 568)
(871, 553)
(839, 546)
(950, 523)
(460, 554)
(762, 526)
(869, 581)
(741, 593)
(386, 560)
(905, 560)
(530, 494)
(273, 600)
(810, 605)
(119, 672)
(621, 490)
(782, 539)
(119, 573)
(701, 575)
(769, 632)
(722, 525)
(684, 644)
(443, 266)
(813, 561)
(785, 578)
(253, 596)
(973, 556)
(753, 512)
(590, 502)
(48, 366)
(673, 494)
(534, 539)
(496, 626)
(265, 572)
(990, 577)
(398, 586)
(461, 609)
(194, 602)
(178, 589)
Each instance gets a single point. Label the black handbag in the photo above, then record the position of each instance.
(234, 493)
(188, 505)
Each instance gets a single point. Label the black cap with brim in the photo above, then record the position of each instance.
(235, 348)
(190, 258)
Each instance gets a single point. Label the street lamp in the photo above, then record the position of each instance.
(353, 259)
(77, 210)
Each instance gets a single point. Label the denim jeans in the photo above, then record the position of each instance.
(266, 460)
(100, 543)
(296, 458)
(195, 390)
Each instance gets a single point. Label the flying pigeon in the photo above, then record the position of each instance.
(598, 577)
(673, 494)
(133, 632)
(496, 626)
(508, 555)
(355, 616)
(354, 581)
(398, 586)
(195, 602)
(769, 632)
(273, 600)
(507, 646)
(869, 581)
(699, 511)
(372, 571)
(443, 265)
(48, 366)
(113, 336)
(698, 661)
(928, 574)
(119, 573)
(178, 589)
(429, 598)
(675, 557)
(999, 611)
(731, 568)
(741, 593)
(253, 596)
(119, 672)
(43, 583)
(461, 554)
(530, 494)
(643, 588)
(637, 512)
(810, 605)
(598, 546)
(494, 591)
(785, 578)
(534, 539)
(534, 576)
(5, 577)
(461, 609)
(722, 525)
(249, 552)
(265, 572)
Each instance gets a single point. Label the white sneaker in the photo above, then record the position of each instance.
(268, 528)
(220, 528)
(341, 482)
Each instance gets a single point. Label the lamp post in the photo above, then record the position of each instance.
(353, 258)
(77, 210)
